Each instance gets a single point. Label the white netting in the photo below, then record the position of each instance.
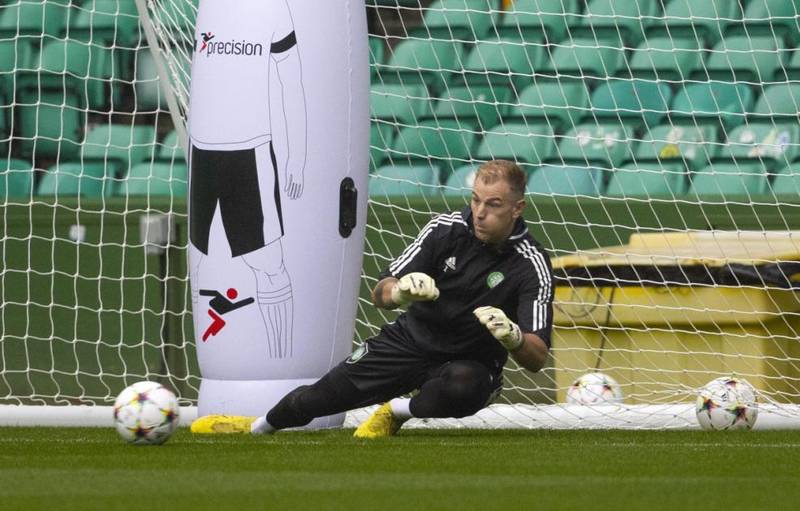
(677, 119)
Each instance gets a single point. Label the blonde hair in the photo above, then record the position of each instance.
(506, 170)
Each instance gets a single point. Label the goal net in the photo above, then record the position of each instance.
(660, 138)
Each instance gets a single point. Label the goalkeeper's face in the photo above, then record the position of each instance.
(495, 208)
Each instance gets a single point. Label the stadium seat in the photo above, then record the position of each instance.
(503, 62)
(768, 18)
(460, 181)
(474, 106)
(104, 22)
(76, 179)
(406, 181)
(712, 103)
(398, 103)
(621, 22)
(565, 180)
(170, 149)
(36, 19)
(647, 180)
(767, 147)
(558, 105)
(744, 59)
(16, 179)
(377, 53)
(637, 101)
(702, 22)
(147, 87)
(49, 123)
(728, 181)
(676, 148)
(584, 58)
(596, 144)
(786, 184)
(429, 62)
(523, 143)
(791, 71)
(16, 56)
(441, 143)
(543, 21)
(121, 145)
(381, 137)
(779, 103)
(457, 20)
(665, 58)
(176, 17)
(155, 179)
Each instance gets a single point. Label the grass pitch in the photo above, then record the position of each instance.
(43, 468)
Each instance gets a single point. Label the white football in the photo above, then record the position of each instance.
(594, 389)
(146, 413)
(727, 403)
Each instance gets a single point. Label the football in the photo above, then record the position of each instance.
(594, 389)
(146, 413)
(727, 403)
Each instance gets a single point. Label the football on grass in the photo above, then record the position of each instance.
(146, 413)
(594, 389)
(727, 403)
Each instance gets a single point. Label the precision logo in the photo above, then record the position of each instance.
(245, 48)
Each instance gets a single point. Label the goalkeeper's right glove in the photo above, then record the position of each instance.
(414, 287)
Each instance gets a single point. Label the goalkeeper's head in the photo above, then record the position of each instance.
(498, 199)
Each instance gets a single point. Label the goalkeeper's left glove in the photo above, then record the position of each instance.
(503, 329)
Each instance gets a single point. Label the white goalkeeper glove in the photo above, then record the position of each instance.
(503, 329)
(414, 287)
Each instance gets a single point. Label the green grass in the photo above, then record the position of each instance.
(50, 469)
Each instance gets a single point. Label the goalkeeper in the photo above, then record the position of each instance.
(476, 288)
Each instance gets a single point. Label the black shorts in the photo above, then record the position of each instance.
(229, 178)
(383, 368)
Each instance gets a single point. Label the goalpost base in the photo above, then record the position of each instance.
(653, 417)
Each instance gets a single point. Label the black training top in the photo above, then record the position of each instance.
(515, 277)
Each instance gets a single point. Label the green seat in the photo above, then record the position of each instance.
(49, 123)
(381, 137)
(596, 144)
(429, 62)
(76, 179)
(766, 146)
(558, 105)
(703, 22)
(676, 148)
(538, 20)
(665, 58)
(16, 56)
(377, 52)
(404, 181)
(147, 86)
(744, 59)
(176, 17)
(613, 20)
(779, 103)
(33, 18)
(170, 149)
(398, 103)
(636, 101)
(121, 145)
(728, 182)
(786, 184)
(475, 106)
(16, 179)
(503, 62)
(772, 18)
(643, 180)
(457, 20)
(714, 103)
(791, 71)
(565, 180)
(155, 179)
(443, 144)
(584, 58)
(460, 181)
(523, 143)
(105, 22)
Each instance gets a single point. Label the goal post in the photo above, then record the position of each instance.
(660, 138)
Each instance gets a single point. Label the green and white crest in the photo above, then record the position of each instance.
(494, 278)
(357, 354)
